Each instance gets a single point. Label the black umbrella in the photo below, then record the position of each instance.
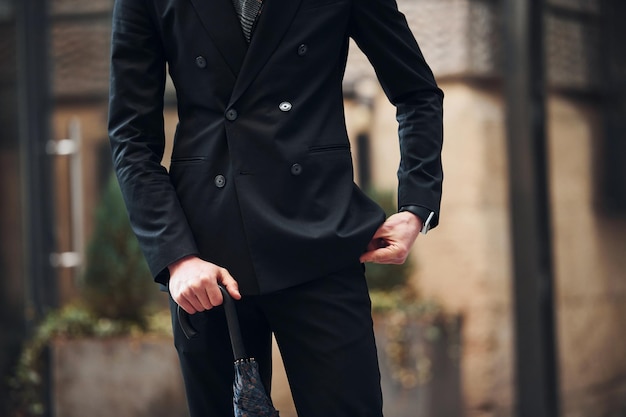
(249, 396)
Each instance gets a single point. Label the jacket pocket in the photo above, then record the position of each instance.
(329, 148)
(188, 160)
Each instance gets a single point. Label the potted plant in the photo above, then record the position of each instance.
(110, 352)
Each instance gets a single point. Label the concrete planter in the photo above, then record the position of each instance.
(420, 369)
(140, 377)
(121, 377)
(420, 376)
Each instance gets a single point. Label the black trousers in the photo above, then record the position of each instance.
(324, 332)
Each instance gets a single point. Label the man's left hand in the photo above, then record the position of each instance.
(392, 241)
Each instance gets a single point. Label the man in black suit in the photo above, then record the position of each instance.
(260, 195)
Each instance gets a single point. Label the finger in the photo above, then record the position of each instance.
(230, 284)
(375, 256)
(373, 252)
(385, 255)
(186, 305)
(366, 257)
(182, 299)
(214, 294)
(202, 297)
(200, 301)
(195, 297)
(377, 243)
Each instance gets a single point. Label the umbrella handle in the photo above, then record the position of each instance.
(234, 330)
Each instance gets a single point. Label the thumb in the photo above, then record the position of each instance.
(231, 285)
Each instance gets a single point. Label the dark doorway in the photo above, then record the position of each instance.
(611, 157)
(11, 225)
(27, 283)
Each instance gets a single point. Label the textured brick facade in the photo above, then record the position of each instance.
(463, 38)
(457, 37)
(460, 38)
(80, 43)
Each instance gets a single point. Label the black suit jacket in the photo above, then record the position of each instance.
(261, 177)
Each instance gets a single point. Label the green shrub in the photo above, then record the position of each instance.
(117, 283)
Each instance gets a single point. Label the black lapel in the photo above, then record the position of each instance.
(220, 21)
(274, 21)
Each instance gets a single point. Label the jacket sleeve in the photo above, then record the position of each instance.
(382, 33)
(137, 138)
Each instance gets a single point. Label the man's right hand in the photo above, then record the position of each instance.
(193, 284)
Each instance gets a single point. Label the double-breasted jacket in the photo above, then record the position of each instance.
(261, 179)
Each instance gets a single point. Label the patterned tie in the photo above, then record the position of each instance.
(248, 11)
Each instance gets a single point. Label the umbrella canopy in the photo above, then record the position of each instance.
(250, 398)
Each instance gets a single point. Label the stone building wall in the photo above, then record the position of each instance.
(466, 262)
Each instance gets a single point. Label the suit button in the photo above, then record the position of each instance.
(232, 115)
(220, 181)
(201, 62)
(285, 106)
(302, 49)
(296, 169)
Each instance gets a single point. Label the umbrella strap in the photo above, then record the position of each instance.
(234, 331)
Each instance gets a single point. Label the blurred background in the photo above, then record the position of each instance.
(514, 305)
